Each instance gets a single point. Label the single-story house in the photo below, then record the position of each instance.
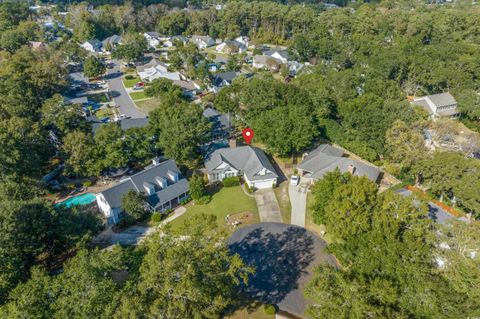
(92, 45)
(221, 124)
(171, 41)
(438, 105)
(279, 54)
(111, 42)
(156, 69)
(221, 80)
(266, 62)
(189, 88)
(327, 158)
(247, 161)
(231, 46)
(243, 40)
(163, 184)
(203, 41)
(153, 39)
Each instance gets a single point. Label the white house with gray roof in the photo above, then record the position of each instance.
(439, 105)
(249, 162)
(326, 158)
(203, 41)
(163, 184)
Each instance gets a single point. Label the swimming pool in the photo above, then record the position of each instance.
(83, 199)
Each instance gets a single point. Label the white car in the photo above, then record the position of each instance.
(294, 180)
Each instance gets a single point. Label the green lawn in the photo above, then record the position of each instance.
(229, 200)
(130, 83)
(148, 105)
(139, 95)
(104, 112)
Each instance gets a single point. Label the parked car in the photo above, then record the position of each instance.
(294, 180)
(139, 86)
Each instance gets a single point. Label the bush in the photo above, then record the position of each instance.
(185, 201)
(231, 181)
(248, 188)
(87, 183)
(203, 200)
(270, 309)
(129, 77)
(156, 218)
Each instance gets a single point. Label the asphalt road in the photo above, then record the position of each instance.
(120, 95)
(284, 257)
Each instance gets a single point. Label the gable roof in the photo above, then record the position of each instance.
(218, 119)
(227, 77)
(326, 158)
(114, 39)
(94, 43)
(442, 99)
(283, 53)
(113, 195)
(153, 34)
(250, 160)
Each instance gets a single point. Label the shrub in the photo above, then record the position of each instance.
(203, 200)
(231, 181)
(270, 309)
(248, 188)
(129, 77)
(156, 218)
(87, 183)
(185, 201)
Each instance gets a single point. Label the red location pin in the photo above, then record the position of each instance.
(247, 135)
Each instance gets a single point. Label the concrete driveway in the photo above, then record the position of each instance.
(120, 95)
(268, 207)
(298, 200)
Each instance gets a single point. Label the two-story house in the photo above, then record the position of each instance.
(162, 182)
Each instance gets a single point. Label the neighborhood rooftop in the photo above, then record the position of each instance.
(326, 158)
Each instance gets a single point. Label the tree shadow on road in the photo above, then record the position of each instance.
(280, 260)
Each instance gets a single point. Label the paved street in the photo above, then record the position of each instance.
(120, 95)
(284, 257)
(298, 200)
(268, 208)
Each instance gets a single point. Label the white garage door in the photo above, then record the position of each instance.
(263, 184)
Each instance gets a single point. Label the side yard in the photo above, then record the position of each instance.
(228, 201)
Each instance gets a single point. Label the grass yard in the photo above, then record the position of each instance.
(281, 192)
(141, 95)
(130, 83)
(148, 105)
(229, 200)
(104, 112)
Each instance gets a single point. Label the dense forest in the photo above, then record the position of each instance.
(364, 59)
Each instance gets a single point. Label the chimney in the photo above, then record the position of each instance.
(232, 143)
(351, 169)
(156, 161)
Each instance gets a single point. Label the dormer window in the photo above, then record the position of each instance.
(161, 181)
(173, 176)
(149, 188)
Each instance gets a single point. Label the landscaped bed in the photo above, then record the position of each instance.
(228, 201)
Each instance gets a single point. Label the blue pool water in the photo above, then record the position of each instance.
(83, 199)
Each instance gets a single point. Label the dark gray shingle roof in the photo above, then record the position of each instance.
(326, 158)
(250, 160)
(113, 195)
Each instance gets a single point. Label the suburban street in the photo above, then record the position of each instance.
(120, 95)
